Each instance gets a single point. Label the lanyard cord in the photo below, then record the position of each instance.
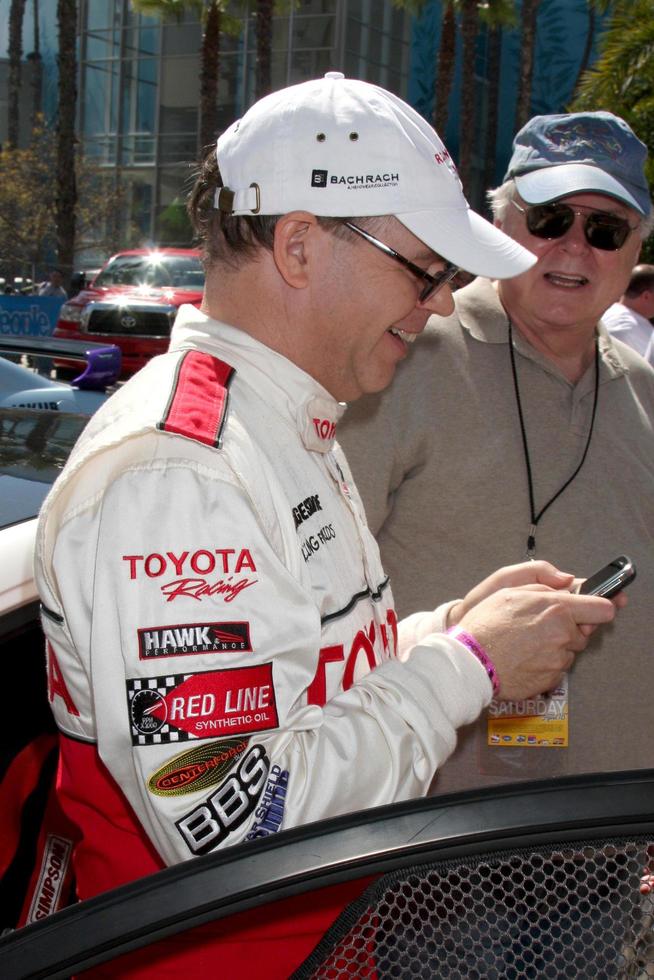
(535, 517)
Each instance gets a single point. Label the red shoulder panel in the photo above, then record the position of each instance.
(198, 403)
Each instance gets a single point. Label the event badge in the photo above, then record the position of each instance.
(540, 722)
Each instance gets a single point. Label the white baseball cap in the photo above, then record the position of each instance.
(340, 147)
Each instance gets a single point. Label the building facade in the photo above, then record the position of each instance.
(139, 88)
(139, 83)
(564, 30)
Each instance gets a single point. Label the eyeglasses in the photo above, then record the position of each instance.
(602, 229)
(433, 283)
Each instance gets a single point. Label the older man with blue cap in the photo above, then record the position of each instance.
(521, 428)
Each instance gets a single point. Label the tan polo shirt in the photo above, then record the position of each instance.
(439, 461)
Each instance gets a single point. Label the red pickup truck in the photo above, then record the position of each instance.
(133, 301)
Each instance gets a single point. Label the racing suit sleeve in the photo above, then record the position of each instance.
(413, 629)
(186, 633)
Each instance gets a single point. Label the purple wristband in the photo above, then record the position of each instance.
(481, 655)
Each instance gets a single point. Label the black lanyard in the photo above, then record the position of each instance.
(535, 517)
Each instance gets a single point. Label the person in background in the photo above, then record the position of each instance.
(77, 283)
(630, 319)
(520, 428)
(225, 660)
(53, 285)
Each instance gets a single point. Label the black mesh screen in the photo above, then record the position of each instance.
(573, 910)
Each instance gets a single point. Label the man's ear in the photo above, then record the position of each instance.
(294, 246)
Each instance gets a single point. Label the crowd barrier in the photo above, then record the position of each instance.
(29, 316)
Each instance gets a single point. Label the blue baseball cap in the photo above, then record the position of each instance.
(554, 156)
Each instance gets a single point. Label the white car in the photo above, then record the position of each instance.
(34, 446)
(40, 421)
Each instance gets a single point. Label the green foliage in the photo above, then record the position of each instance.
(414, 7)
(492, 12)
(175, 9)
(498, 13)
(27, 202)
(27, 190)
(622, 78)
(175, 225)
(169, 8)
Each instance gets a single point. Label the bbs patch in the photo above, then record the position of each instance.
(206, 826)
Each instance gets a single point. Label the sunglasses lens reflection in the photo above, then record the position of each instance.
(604, 231)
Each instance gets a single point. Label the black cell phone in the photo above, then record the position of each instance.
(610, 579)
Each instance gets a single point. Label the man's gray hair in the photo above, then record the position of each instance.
(500, 198)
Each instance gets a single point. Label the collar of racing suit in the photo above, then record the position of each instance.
(300, 397)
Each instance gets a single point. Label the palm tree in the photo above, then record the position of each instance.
(66, 197)
(622, 78)
(37, 63)
(16, 13)
(494, 13)
(445, 57)
(445, 60)
(497, 14)
(467, 128)
(215, 21)
(528, 18)
(209, 73)
(594, 7)
(264, 15)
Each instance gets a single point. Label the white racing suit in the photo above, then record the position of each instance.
(224, 659)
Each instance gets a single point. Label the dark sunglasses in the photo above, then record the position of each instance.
(602, 229)
(433, 283)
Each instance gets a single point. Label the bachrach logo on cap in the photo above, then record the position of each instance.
(318, 178)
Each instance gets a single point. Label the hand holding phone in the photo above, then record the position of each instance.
(610, 579)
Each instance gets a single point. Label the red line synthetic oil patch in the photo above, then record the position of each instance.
(197, 407)
(198, 768)
(180, 707)
(193, 638)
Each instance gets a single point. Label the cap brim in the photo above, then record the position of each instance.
(463, 237)
(551, 183)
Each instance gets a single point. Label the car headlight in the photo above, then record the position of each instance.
(71, 312)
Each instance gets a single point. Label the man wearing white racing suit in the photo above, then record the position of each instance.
(224, 660)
